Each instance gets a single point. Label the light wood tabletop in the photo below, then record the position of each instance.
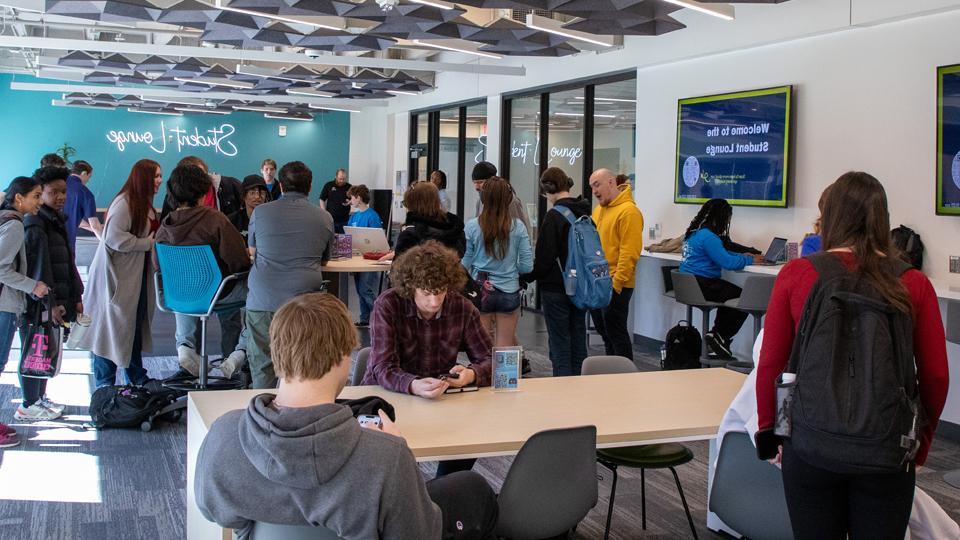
(354, 264)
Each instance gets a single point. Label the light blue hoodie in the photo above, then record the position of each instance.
(505, 273)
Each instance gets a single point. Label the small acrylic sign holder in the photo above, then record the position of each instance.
(506, 368)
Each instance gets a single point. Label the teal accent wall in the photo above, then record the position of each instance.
(32, 127)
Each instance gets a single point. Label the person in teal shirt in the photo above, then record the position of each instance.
(364, 216)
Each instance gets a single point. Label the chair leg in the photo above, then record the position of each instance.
(704, 350)
(203, 353)
(613, 493)
(643, 499)
(684, 501)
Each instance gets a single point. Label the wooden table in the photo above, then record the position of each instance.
(627, 409)
(340, 287)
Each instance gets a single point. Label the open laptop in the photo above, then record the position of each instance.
(774, 252)
(367, 239)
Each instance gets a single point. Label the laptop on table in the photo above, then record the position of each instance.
(367, 239)
(774, 253)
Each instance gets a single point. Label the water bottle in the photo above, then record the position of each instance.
(782, 426)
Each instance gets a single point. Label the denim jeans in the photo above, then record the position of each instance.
(367, 284)
(8, 325)
(566, 333)
(231, 324)
(611, 324)
(497, 301)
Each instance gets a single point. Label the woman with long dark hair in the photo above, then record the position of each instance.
(705, 256)
(498, 251)
(826, 500)
(119, 295)
(22, 198)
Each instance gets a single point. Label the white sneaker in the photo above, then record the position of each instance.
(35, 413)
(189, 360)
(53, 406)
(233, 362)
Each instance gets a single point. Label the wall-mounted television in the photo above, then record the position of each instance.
(734, 146)
(948, 140)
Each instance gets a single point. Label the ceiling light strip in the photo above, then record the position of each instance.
(536, 22)
(131, 109)
(288, 118)
(457, 49)
(204, 111)
(722, 11)
(435, 3)
(219, 4)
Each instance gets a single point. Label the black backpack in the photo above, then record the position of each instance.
(127, 406)
(681, 348)
(909, 244)
(855, 405)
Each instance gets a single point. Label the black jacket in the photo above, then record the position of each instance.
(50, 258)
(241, 221)
(418, 230)
(552, 246)
(229, 198)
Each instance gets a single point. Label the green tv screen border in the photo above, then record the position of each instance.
(948, 140)
(734, 146)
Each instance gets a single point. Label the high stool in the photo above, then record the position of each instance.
(687, 291)
(953, 336)
(668, 290)
(753, 301)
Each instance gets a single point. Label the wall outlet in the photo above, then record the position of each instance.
(282, 131)
(954, 264)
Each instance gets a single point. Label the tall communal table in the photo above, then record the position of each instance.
(340, 286)
(628, 409)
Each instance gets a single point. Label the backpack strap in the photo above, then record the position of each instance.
(828, 265)
(565, 212)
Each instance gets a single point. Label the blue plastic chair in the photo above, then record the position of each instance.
(190, 283)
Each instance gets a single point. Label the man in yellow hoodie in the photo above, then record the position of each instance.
(620, 225)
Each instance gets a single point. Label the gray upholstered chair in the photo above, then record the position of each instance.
(753, 301)
(687, 291)
(272, 531)
(359, 367)
(551, 485)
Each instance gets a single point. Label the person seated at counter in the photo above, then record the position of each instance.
(705, 256)
(299, 458)
(421, 323)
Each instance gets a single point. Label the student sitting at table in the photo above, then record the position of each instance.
(417, 327)
(298, 458)
(704, 256)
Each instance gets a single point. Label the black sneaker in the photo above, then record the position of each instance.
(361, 324)
(718, 347)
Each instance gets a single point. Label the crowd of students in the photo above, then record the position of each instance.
(418, 326)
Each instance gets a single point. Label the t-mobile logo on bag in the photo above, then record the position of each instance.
(38, 357)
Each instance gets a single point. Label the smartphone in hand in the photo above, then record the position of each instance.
(369, 419)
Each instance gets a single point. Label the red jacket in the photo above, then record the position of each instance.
(783, 317)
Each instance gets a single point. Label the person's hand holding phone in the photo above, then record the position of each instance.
(387, 425)
(461, 376)
(429, 387)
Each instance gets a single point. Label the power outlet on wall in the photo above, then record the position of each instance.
(954, 264)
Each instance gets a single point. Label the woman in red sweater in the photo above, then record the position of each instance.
(824, 503)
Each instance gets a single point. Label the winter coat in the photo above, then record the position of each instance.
(50, 258)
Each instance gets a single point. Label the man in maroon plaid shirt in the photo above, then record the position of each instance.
(418, 327)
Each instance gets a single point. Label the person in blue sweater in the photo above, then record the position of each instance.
(366, 282)
(498, 251)
(705, 256)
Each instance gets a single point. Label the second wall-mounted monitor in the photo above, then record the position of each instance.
(734, 146)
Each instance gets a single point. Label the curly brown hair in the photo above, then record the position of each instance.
(361, 191)
(431, 267)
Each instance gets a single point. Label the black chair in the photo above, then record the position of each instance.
(753, 301)
(687, 291)
(747, 493)
(648, 456)
(551, 485)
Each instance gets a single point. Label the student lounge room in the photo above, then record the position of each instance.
(480, 269)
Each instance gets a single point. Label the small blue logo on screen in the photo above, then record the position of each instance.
(955, 170)
(691, 171)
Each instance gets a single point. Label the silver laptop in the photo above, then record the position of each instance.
(367, 239)
(774, 253)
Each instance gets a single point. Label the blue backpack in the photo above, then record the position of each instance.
(587, 276)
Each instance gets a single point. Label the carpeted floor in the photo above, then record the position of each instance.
(65, 481)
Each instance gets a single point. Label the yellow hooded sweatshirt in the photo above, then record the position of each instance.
(620, 225)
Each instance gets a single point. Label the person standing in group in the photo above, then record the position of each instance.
(192, 224)
(224, 195)
(366, 282)
(482, 172)
(119, 296)
(290, 240)
(439, 179)
(705, 256)
(334, 199)
(860, 379)
(620, 225)
(566, 323)
(22, 198)
(427, 220)
(254, 194)
(80, 209)
(49, 259)
(269, 171)
(498, 251)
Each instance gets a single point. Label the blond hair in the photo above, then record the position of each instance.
(309, 336)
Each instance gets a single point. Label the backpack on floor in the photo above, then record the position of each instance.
(587, 278)
(126, 406)
(855, 408)
(681, 348)
(909, 244)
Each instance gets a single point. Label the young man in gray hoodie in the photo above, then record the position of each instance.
(299, 458)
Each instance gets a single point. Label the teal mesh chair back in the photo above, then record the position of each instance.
(191, 278)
